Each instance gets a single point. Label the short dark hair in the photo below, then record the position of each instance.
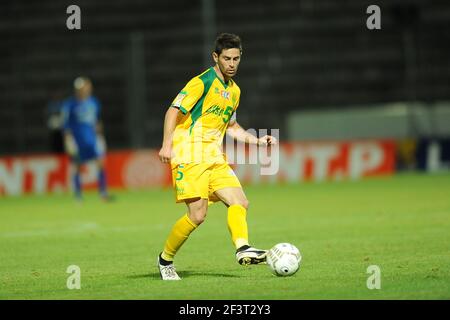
(227, 41)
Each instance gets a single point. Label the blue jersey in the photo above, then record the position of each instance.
(80, 118)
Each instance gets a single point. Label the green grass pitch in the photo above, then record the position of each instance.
(400, 223)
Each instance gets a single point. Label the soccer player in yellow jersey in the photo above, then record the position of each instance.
(194, 127)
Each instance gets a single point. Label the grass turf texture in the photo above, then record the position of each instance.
(399, 223)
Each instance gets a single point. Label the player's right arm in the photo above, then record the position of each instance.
(70, 145)
(170, 122)
(183, 102)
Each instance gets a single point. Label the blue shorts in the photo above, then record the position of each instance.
(87, 153)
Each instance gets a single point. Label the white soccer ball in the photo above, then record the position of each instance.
(284, 259)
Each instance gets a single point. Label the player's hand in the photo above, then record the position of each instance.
(267, 140)
(165, 154)
(70, 146)
(101, 144)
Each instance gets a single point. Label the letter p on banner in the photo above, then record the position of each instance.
(74, 280)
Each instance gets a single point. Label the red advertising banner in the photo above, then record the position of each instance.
(322, 161)
(35, 174)
(49, 173)
(290, 162)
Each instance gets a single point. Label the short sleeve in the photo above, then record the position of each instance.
(188, 97)
(233, 117)
(236, 97)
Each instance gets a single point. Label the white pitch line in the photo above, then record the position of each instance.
(89, 226)
(85, 227)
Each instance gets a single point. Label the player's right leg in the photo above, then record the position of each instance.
(197, 209)
(191, 187)
(101, 180)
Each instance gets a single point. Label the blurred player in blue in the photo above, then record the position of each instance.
(83, 135)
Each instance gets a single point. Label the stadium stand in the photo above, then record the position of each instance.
(297, 55)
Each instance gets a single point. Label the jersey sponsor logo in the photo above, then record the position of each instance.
(215, 109)
(218, 111)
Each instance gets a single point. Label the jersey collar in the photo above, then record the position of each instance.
(221, 81)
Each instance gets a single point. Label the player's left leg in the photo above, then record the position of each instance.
(76, 179)
(180, 232)
(236, 201)
(97, 151)
(101, 178)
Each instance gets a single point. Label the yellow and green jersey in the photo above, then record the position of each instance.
(207, 104)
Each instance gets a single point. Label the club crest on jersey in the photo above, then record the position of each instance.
(224, 94)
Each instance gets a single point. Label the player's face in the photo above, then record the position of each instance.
(228, 61)
(84, 92)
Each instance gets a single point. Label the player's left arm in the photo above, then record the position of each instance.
(99, 130)
(237, 132)
(99, 127)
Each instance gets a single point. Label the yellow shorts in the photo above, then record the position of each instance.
(201, 180)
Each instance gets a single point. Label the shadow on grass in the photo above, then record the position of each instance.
(184, 274)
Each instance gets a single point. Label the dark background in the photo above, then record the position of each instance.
(298, 55)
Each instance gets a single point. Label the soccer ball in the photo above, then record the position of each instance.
(284, 259)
